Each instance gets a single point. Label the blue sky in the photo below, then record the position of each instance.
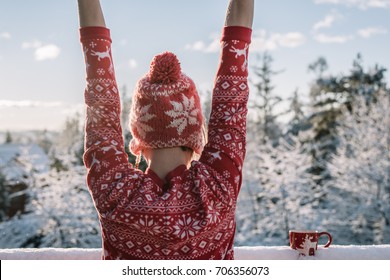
(41, 64)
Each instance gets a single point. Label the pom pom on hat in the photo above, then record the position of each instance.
(165, 69)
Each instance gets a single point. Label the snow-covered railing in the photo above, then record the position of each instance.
(335, 252)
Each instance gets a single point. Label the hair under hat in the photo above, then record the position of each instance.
(166, 110)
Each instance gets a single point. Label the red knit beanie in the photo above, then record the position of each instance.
(166, 110)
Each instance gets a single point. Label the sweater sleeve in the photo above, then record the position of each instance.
(225, 150)
(104, 145)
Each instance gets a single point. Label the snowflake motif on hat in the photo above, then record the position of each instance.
(183, 113)
(144, 117)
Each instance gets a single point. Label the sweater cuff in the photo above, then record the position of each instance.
(236, 33)
(94, 32)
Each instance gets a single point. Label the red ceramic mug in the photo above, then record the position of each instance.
(306, 241)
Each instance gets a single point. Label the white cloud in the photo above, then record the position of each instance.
(133, 63)
(323, 38)
(28, 103)
(31, 45)
(42, 52)
(369, 31)
(211, 47)
(197, 46)
(261, 41)
(327, 21)
(5, 35)
(47, 52)
(361, 4)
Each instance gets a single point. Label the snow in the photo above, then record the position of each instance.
(50, 254)
(335, 252)
(18, 161)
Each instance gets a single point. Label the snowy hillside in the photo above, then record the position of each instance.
(19, 161)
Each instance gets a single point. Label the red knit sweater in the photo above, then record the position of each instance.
(193, 216)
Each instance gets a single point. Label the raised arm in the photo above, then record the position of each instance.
(90, 13)
(104, 147)
(240, 13)
(225, 150)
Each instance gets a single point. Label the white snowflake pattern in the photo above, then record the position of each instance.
(100, 71)
(233, 114)
(213, 211)
(92, 44)
(183, 113)
(141, 122)
(148, 226)
(187, 227)
(233, 69)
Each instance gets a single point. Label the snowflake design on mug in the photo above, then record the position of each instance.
(183, 113)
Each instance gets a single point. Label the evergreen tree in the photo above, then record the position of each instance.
(298, 119)
(278, 193)
(8, 138)
(361, 167)
(325, 110)
(69, 145)
(328, 95)
(265, 101)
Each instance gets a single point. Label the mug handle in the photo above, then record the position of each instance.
(329, 238)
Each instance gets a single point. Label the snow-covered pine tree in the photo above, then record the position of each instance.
(361, 168)
(298, 120)
(265, 101)
(278, 194)
(323, 115)
(60, 214)
(68, 148)
(328, 95)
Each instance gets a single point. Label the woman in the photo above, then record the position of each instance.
(177, 209)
